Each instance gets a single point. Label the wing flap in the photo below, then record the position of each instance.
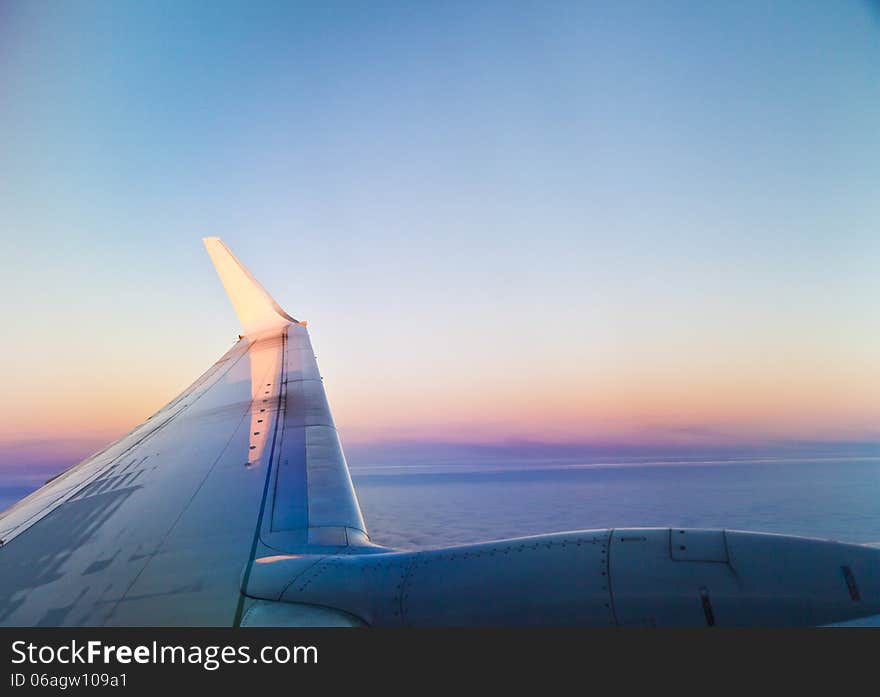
(313, 499)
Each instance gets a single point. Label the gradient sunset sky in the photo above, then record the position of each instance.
(649, 223)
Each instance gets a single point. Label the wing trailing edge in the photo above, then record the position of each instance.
(256, 309)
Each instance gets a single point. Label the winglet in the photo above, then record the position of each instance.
(256, 310)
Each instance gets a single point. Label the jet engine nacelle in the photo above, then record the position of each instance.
(639, 576)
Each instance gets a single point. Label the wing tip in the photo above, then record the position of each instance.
(256, 309)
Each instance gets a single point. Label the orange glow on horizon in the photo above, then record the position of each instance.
(631, 397)
(635, 408)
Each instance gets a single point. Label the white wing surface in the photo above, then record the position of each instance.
(161, 526)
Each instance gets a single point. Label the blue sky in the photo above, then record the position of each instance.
(558, 221)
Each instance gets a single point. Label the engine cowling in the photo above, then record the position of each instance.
(639, 576)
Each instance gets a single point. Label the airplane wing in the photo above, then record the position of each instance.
(158, 527)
